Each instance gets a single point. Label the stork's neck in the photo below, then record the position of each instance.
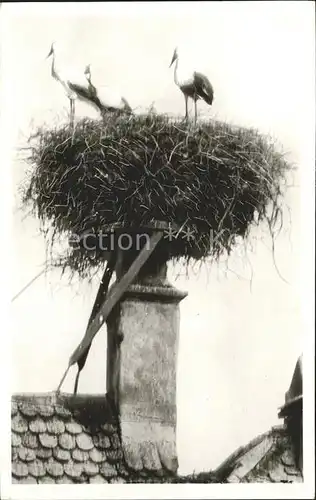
(54, 68)
(53, 63)
(176, 81)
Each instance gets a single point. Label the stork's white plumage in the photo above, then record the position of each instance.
(193, 84)
(75, 84)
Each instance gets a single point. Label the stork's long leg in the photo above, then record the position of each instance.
(71, 116)
(72, 112)
(186, 107)
(195, 110)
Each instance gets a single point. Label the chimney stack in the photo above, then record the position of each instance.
(142, 365)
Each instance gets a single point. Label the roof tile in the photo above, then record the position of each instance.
(14, 454)
(61, 455)
(24, 480)
(287, 458)
(73, 469)
(19, 469)
(55, 426)
(37, 425)
(29, 480)
(107, 470)
(30, 441)
(46, 480)
(84, 442)
(115, 441)
(90, 468)
(15, 439)
(62, 412)
(98, 479)
(54, 468)
(101, 441)
(47, 440)
(64, 480)
(28, 410)
(80, 479)
(46, 411)
(26, 454)
(97, 456)
(122, 470)
(80, 456)
(276, 475)
(73, 428)
(37, 468)
(291, 471)
(18, 424)
(44, 453)
(117, 480)
(67, 441)
(114, 455)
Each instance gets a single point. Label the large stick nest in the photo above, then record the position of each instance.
(213, 178)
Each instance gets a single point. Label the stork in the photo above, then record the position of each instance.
(194, 85)
(109, 100)
(76, 86)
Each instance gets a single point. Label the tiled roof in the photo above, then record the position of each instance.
(268, 458)
(72, 440)
(76, 439)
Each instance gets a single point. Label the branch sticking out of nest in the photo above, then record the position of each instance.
(214, 181)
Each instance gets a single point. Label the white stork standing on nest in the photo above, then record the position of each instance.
(196, 85)
(79, 86)
(76, 86)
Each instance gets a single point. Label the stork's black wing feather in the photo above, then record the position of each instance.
(90, 93)
(203, 87)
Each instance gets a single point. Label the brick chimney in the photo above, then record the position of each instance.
(142, 364)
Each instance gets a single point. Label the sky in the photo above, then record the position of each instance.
(241, 328)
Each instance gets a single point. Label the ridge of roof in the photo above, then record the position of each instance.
(55, 394)
(56, 398)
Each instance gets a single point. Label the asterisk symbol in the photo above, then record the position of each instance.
(188, 234)
(170, 233)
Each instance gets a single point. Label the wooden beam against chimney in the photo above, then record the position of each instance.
(112, 299)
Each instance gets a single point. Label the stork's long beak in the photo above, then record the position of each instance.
(50, 53)
(174, 57)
